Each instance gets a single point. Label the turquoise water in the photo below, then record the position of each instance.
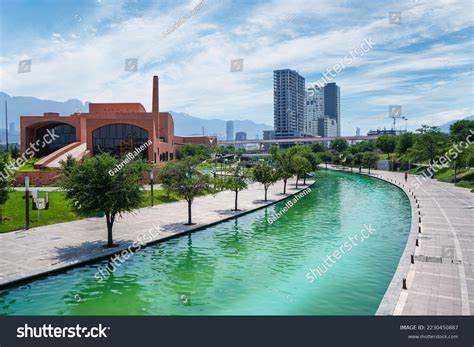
(247, 266)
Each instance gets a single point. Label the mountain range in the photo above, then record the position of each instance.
(445, 127)
(184, 123)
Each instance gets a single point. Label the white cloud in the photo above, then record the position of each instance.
(194, 60)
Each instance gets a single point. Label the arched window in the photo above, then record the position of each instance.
(64, 135)
(119, 139)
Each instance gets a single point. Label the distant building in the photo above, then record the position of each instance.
(229, 127)
(241, 136)
(327, 127)
(12, 128)
(332, 104)
(116, 128)
(383, 132)
(268, 135)
(357, 131)
(314, 109)
(288, 103)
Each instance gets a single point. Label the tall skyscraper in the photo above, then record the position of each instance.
(12, 127)
(289, 96)
(314, 109)
(332, 104)
(357, 131)
(229, 127)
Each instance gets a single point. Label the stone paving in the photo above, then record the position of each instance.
(441, 279)
(25, 254)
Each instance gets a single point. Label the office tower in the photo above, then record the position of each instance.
(289, 96)
(229, 127)
(12, 127)
(314, 109)
(327, 127)
(268, 135)
(332, 104)
(357, 131)
(241, 136)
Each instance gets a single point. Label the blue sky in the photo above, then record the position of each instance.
(78, 49)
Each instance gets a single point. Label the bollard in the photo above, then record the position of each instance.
(419, 220)
(412, 259)
(405, 283)
(419, 228)
(417, 243)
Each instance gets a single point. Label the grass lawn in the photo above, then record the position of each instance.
(28, 166)
(464, 178)
(59, 209)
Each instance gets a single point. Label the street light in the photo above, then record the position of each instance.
(27, 203)
(151, 186)
(406, 124)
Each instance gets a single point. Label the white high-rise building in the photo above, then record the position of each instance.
(314, 109)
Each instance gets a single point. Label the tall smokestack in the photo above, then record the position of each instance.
(155, 101)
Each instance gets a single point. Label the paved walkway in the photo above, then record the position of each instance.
(24, 254)
(441, 280)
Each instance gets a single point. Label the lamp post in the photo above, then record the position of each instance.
(406, 124)
(151, 187)
(27, 203)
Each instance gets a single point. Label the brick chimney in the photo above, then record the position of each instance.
(155, 101)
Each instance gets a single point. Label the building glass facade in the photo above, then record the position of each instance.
(119, 139)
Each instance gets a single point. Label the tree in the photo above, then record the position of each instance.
(92, 188)
(405, 142)
(236, 181)
(339, 145)
(301, 167)
(364, 146)
(68, 165)
(5, 182)
(266, 175)
(370, 159)
(313, 159)
(359, 160)
(386, 143)
(183, 179)
(460, 130)
(428, 144)
(326, 157)
(202, 152)
(282, 161)
(349, 159)
(15, 152)
(317, 148)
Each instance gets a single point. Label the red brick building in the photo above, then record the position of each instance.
(117, 128)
